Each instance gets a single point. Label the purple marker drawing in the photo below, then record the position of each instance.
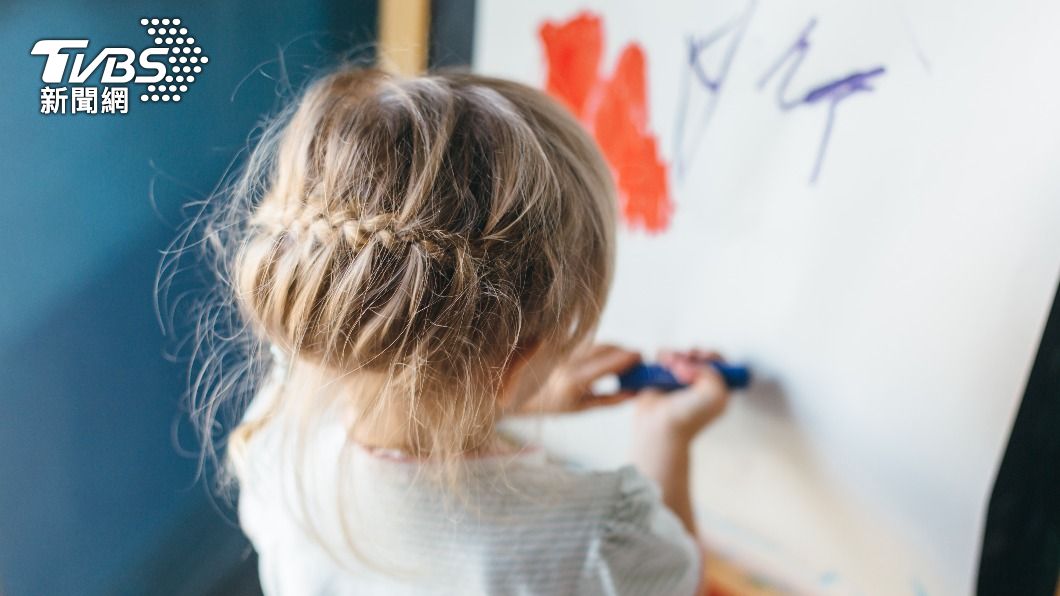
(698, 72)
(834, 92)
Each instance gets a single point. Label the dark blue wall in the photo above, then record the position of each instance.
(91, 480)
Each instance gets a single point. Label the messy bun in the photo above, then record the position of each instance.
(403, 238)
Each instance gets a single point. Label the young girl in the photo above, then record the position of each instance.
(418, 258)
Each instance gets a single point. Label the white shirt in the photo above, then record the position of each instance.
(518, 524)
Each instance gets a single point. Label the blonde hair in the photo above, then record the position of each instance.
(401, 240)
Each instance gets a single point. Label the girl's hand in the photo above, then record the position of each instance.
(569, 387)
(680, 415)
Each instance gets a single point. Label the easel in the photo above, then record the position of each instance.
(404, 30)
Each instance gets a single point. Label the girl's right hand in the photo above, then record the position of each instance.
(680, 415)
(569, 388)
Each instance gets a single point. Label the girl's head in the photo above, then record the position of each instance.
(409, 240)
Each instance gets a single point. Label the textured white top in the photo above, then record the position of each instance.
(520, 525)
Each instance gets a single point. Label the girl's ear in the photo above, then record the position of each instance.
(512, 390)
(521, 355)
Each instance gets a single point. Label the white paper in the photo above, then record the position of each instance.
(891, 309)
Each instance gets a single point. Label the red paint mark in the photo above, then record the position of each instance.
(574, 52)
(621, 125)
(615, 110)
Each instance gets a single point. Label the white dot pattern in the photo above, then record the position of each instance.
(183, 53)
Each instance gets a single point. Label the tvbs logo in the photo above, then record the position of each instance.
(166, 70)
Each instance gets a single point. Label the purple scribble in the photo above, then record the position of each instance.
(798, 51)
(833, 92)
(697, 72)
(841, 88)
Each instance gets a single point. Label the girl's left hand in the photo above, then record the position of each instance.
(570, 386)
(680, 415)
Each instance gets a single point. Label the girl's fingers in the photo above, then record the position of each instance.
(686, 371)
(601, 361)
(594, 400)
(706, 355)
(597, 349)
(690, 366)
(712, 386)
(674, 358)
(707, 380)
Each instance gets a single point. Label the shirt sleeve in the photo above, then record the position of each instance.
(644, 548)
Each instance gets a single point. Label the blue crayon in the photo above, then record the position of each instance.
(654, 376)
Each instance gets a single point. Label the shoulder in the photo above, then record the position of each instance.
(642, 547)
(623, 498)
(623, 508)
(604, 499)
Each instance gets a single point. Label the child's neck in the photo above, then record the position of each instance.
(383, 433)
(390, 431)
